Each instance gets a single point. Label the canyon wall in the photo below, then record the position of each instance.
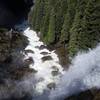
(14, 11)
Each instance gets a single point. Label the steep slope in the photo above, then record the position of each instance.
(74, 24)
(13, 68)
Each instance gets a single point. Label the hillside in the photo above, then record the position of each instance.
(72, 23)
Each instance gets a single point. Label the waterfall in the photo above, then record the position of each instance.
(52, 82)
(46, 63)
(83, 74)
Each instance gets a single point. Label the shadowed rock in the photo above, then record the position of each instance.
(42, 47)
(51, 85)
(46, 58)
(54, 73)
(28, 51)
(44, 53)
(14, 69)
(86, 95)
(29, 61)
(14, 11)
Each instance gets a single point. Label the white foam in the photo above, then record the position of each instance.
(44, 68)
(83, 73)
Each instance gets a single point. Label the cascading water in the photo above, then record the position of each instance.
(52, 82)
(46, 63)
(83, 74)
(44, 68)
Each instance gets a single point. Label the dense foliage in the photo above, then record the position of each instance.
(74, 23)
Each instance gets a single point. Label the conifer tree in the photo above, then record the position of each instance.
(76, 36)
(45, 22)
(91, 23)
(65, 29)
(69, 17)
(60, 11)
(74, 42)
(72, 22)
(50, 37)
(38, 14)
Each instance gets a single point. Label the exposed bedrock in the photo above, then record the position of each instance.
(14, 11)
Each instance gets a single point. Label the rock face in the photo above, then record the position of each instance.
(13, 67)
(93, 94)
(14, 11)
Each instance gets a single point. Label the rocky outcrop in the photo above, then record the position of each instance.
(93, 94)
(14, 68)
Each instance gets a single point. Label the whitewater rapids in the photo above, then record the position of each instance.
(44, 69)
(83, 73)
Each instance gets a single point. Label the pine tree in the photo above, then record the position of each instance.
(76, 36)
(65, 29)
(45, 26)
(50, 37)
(38, 14)
(69, 17)
(60, 11)
(72, 22)
(45, 22)
(91, 23)
(74, 42)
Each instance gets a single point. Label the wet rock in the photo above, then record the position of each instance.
(55, 68)
(37, 47)
(42, 47)
(41, 79)
(54, 73)
(46, 58)
(28, 51)
(51, 86)
(44, 53)
(29, 61)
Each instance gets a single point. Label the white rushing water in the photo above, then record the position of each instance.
(83, 73)
(45, 68)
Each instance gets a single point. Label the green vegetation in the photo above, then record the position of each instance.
(75, 23)
(50, 36)
(3, 30)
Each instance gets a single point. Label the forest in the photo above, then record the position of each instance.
(72, 23)
(49, 49)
